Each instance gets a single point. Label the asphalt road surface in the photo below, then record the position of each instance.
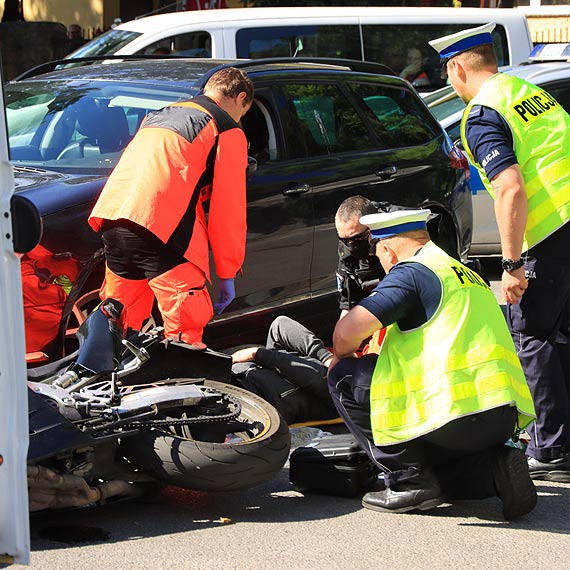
(273, 527)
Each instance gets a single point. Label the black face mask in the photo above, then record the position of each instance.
(358, 249)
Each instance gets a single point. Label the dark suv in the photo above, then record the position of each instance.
(320, 132)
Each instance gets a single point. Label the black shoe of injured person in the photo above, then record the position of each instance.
(420, 493)
(512, 482)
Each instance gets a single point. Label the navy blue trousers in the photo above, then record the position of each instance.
(458, 452)
(540, 326)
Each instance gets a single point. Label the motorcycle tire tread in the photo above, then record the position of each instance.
(207, 466)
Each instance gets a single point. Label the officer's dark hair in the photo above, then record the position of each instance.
(355, 206)
(230, 82)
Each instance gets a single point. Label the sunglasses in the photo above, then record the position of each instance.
(353, 239)
(444, 68)
(373, 243)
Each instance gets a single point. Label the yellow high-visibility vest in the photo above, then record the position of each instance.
(541, 137)
(460, 362)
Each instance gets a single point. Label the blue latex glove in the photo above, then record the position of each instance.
(226, 294)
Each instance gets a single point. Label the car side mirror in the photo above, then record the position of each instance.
(26, 224)
(251, 168)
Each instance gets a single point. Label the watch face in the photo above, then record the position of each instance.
(510, 265)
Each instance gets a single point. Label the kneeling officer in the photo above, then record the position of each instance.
(435, 407)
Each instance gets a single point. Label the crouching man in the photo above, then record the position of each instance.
(435, 407)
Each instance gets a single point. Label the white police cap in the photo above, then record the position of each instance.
(450, 46)
(388, 224)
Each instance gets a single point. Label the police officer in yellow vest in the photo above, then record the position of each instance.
(518, 137)
(435, 407)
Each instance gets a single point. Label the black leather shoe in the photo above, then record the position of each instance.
(512, 482)
(420, 493)
(556, 470)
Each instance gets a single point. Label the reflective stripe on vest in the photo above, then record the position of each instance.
(541, 136)
(462, 361)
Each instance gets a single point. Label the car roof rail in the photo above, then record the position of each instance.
(52, 65)
(352, 64)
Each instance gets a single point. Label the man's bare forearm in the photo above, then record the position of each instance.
(511, 210)
(358, 325)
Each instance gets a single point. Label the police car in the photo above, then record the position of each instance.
(548, 66)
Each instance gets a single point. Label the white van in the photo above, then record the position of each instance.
(380, 34)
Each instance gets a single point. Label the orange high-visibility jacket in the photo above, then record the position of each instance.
(183, 155)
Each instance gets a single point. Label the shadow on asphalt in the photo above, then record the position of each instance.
(550, 514)
(179, 510)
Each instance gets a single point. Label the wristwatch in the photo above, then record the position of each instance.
(509, 265)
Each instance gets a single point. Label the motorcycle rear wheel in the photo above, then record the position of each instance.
(207, 466)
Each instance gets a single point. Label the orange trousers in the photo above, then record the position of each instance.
(181, 294)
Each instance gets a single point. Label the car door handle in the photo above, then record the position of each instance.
(297, 189)
(386, 173)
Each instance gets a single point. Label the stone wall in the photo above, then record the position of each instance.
(549, 29)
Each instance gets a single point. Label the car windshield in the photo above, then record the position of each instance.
(79, 125)
(106, 44)
(443, 103)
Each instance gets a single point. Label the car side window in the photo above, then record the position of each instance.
(396, 116)
(405, 48)
(192, 44)
(260, 133)
(299, 41)
(325, 121)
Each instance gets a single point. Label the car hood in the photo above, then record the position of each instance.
(27, 177)
(52, 191)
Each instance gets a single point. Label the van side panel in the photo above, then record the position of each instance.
(267, 32)
(222, 44)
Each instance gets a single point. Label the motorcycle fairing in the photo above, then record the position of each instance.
(173, 359)
(100, 341)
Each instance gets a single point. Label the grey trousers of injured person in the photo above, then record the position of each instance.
(289, 372)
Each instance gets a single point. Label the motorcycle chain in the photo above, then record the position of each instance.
(189, 421)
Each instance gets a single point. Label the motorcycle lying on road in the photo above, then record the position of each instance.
(124, 415)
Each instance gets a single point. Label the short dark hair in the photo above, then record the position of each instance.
(480, 57)
(230, 82)
(355, 206)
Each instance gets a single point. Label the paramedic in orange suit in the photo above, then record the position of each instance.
(151, 213)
